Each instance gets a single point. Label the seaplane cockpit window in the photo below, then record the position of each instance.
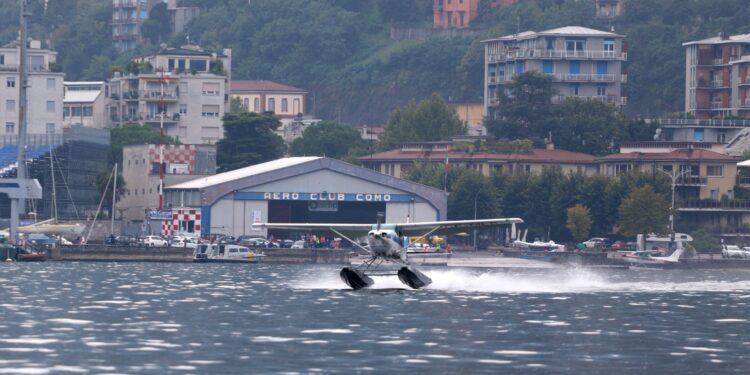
(393, 237)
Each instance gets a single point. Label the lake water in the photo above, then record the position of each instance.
(108, 318)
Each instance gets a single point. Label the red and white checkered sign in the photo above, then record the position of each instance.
(172, 227)
(183, 154)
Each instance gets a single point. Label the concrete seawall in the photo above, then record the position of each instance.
(100, 253)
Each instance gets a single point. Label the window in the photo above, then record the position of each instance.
(519, 67)
(609, 47)
(256, 105)
(573, 89)
(272, 105)
(50, 128)
(574, 68)
(211, 88)
(601, 90)
(209, 133)
(284, 105)
(198, 65)
(183, 131)
(50, 106)
(550, 43)
(183, 109)
(548, 67)
(37, 63)
(50, 83)
(715, 171)
(210, 111)
(698, 135)
(10, 82)
(10, 105)
(461, 19)
(2, 59)
(296, 106)
(246, 103)
(184, 88)
(601, 67)
(574, 47)
(10, 127)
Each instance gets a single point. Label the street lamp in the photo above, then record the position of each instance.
(673, 176)
(475, 217)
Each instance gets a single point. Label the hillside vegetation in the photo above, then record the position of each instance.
(341, 52)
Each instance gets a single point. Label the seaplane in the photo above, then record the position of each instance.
(385, 245)
(645, 258)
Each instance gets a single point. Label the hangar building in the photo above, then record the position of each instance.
(296, 190)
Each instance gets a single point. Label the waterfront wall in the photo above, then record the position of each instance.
(173, 254)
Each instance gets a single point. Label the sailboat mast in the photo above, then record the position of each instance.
(114, 201)
(54, 189)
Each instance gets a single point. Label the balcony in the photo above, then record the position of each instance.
(8, 68)
(743, 181)
(494, 80)
(157, 95)
(599, 78)
(155, 118)
(493, 101)
(718, 83)
(716, 105)
(609, 99)
(745, 80)
(737, 205)
(130, 95)
(702, 123)
(718, 61)
(125, 4)
(556, 54)
(691, 181)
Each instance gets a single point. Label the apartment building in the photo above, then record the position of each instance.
(585, 63)
(127, 18)
(187, 84)
(400, 161)
(717, 82)
(84, 104)
(45, 92)
(458, 14)
(180, 16)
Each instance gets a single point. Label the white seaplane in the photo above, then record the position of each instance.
(646, 259)
(385, 245)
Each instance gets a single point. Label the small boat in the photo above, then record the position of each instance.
(48, 228)
(226, 253)
(538, 246)
(32, 256)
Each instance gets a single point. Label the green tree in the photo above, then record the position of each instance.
(236, 106)
(134, 134)
(428, 120)
(527, 110)
(705, 242)
(644, 211)
(157, 27)
(579, 222)
(330, 139)
(249, 139)
(472, 187)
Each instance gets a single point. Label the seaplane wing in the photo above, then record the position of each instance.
(452, 227)
(349, 229)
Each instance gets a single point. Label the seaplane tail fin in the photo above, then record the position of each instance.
(675, 257)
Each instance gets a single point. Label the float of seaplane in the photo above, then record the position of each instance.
(51, 227)
(384, 245)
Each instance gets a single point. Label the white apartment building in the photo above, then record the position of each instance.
(585, 63)
(45, 92)
(189, 84)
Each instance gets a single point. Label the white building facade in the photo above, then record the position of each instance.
(585, 63)
(45, 92)
(187, 84)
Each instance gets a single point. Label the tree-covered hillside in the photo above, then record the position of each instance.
(340, 50)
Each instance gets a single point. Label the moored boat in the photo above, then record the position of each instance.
(226, 253)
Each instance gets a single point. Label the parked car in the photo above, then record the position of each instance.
(734, 251)
(154, 241)
(298, 244)
(597, 243)
(181, 241)
(122, 240)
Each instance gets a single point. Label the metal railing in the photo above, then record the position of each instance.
(683, 122)
(743, 180)
(737, 204)
(691, 180)
(556, 54)
(157, 94)
(32, 139)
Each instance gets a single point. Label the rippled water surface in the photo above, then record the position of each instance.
(107, 318)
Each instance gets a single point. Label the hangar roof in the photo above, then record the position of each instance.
(250, 171)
